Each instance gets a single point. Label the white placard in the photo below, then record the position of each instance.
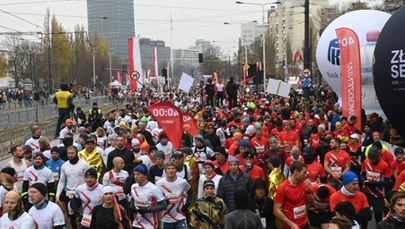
(284, 90)
(186, 82)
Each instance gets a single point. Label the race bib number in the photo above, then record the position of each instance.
(259, 149)
(119, 191)
(86, 220)
(173, 197)
(299, 212)
(263, 220)
(373, 176)
(336, 169)
(141, 202)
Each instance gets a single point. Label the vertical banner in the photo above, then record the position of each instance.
(149, 73)
(135, 63)
(190, 124)
(169, 118)
(155, 62)
(350, 69)
(119, 77)
(216, 80)
(244, 71)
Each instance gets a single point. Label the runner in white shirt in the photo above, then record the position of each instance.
(116, 179)
(71, 176)
(209, 175)
(176, 194)
(165, 146)
(201, 151)
(110, 124)
(19, 164)
(46, 214)
(67, 129)
(15, 216)
(146, 200)
(89, 194)
(37, 173)
(33, 141)
(113, 143)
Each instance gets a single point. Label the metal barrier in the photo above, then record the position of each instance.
(19, 117)
(15, 125)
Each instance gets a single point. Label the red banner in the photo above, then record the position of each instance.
(169, 118)
(190, 124)
(350, 68)
(247, 80)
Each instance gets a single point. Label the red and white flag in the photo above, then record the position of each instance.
(155, 62)
(135, 63)
(350, 68)
(216, 78)
(149, 73)
(119, 77)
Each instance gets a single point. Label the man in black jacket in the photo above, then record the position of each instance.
(232, 179)
(232, 92)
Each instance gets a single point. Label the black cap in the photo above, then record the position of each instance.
(91, 172)
(8, 170)
(209, 183)
(40, 187)
(248, 154)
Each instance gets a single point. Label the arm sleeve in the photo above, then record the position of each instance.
(161, 205)
(61, 183)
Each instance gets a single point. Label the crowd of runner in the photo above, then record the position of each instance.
(260, 161)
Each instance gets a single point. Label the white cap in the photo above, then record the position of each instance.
(354, 136)
(107, 189)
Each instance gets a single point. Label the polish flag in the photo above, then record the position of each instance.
(216, 80)
(149, 73)
(155, 62)
(119, 77)
(135, 63)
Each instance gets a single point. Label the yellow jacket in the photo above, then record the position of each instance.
(95, 160)
(276, 177)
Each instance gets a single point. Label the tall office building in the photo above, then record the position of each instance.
(114, 21)
(163, 53)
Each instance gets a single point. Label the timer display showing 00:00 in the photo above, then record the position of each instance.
(163, 112)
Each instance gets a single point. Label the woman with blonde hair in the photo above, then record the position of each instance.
(109, 214)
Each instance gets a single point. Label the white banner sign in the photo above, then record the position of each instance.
(278, 87)
(186, 82)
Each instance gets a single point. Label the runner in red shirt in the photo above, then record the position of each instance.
(399, 154)
(316, 172)
(336, 163)
(254, 171)
(287, 139)
(319, 213)
(377, 178)
(260, 143)
(295, 156)
(221, 160)
(292, 197)
(350, 192)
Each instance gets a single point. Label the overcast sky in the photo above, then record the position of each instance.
(192, 19)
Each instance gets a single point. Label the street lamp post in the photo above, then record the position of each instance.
(307, 45)
(263, 35)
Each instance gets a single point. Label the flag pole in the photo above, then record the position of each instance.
(171, 52)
